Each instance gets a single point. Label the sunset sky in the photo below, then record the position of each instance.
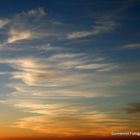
(69, 67)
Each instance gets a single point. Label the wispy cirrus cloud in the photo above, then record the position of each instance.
(61, 115)
(81, 61)
(133, 107)
(19, 28)
(65, 124)
(3, 22)
(99, 27)
(34, 12)
(131, 46)
(98, 66)
(32, 77)
(72, 121)
(22, 28)
(30, 71)
(16, 35)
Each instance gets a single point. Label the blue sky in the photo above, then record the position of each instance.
(70, 65)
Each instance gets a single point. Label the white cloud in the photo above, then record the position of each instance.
(49, 47)
(99, 27)
(16, 35)
(19, 27)
(26, 64)
(97, 66)
(79, 34)
(30, 71)
(3, 22)
(34, 77)
(131, 46)
(39, 12)
(63, 56)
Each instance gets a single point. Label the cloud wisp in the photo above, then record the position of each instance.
(15, 36)
(99, 28)
(3, 22)
(133, 107)
(131, 46)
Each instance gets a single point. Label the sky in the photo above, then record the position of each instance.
(69, 68)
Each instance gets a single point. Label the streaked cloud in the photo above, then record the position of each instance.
(133, 107)
(100, 67)
(131, 46)
(74, 35)
(65, 56)
(19, 28)
(15, 36)
(54, 125)
(3, 22)
(31, 78)
(30, 71)
(39, 12)
(26, 63)
(24, 15)
(81, 61)
(100, 26)
(70, 123)
(67, 118)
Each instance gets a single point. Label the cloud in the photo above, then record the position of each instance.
(32, 77)
(100, 26)
(39, 12)
(16, 35)
(22, 63)
(22, 27)
(81, 61)
(131, 46)
(3, 22)
(72, 120)
(30, 71)
(96, 66)
(67, 60)
(49, 47)
(133, 107)
(65, 56)
(32, 25)
(61, 70)
(35, 22)
(69, 126)
(26, 64)
(79, 34)
(62, 118)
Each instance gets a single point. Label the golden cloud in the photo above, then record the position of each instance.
(16, 35)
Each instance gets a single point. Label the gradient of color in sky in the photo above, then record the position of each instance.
(69, 67)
